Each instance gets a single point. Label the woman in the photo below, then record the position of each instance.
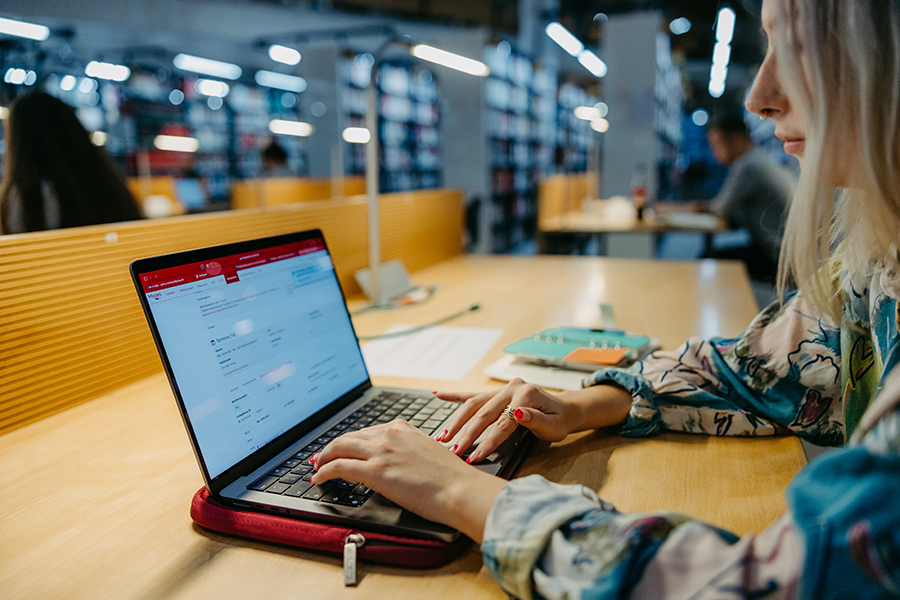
(54, 177)
(814, 366)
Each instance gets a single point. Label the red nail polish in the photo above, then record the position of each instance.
(518, 413)
(440, 438)
(469, 460)
(434, 393)
(455, 446)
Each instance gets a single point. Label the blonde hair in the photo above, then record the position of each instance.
(840, 61)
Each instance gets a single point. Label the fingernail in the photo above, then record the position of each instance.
(455, 446)
(315, 457)
(469, 460)
(434, 393)
(440, 438)
(518, 413)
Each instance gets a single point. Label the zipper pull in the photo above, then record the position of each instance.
(351, 568)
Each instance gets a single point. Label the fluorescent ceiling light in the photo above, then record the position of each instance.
(176, 143)
(67, 83)
(282, 127)
(211, 87)
(564, 38)
(19, 76)
(99, 138)
(587, 113)
(725, 26)
(592, 63)
(356, 135)
(449, 59)
(280, 81)
(721, 54)
(284, 54)
(207, 66)
(102, 70)
(600, 125)
(25, 30)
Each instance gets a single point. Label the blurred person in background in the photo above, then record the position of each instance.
(54, 176)
(754, 196)
(275, 161)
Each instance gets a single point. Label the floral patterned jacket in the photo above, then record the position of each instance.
(790, 371)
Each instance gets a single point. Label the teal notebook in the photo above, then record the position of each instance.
(582, 349)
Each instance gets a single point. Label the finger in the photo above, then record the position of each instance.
(502, 429)
(459, 397)
(481, 420)
(463, 414)
(346, 446)
(349, 469)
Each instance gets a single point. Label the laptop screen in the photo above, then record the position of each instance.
(257, 342)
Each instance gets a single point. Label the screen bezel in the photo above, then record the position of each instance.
(257, 458)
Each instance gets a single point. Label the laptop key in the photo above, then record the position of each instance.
(298, 489)
(279, 471)
(322, 440)
(334, 495)
(290, 479)
(317, 491)
(277, 488)
(362, 490)
(262, 483)
(312, 448)
(291, 463)
(353, 500)
(346, 485)
(301, 470)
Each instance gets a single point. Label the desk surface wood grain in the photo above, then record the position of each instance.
(94, 501)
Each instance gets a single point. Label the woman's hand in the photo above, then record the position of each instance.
(549, 417)
(416, 472)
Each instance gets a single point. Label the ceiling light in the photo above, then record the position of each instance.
(298, 128)
(99, 138)
(356, 135)
(449, 59)
(592, 63)
(290, 83)
(700, 117)
(87, 85)
(176, 143)
(102, 70)
(211, 87)
(725, 26)
(680, 26)
(586, 113)
(600, 125)
(284, 54)
(602, 108)
(67, 83)
(721, 52)
(25, 30)
(564, 38)
(4, 112)
(207, 66)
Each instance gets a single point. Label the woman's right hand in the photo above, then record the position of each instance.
(549, 417)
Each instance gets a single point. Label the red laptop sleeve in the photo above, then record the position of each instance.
(376, 547)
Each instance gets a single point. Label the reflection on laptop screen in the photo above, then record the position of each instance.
(257, 342)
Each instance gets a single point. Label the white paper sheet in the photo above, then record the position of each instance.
(433, 353)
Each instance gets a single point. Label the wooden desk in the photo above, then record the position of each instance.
(94, 500)
(624, 235)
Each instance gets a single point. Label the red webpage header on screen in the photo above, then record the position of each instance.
(229, 266)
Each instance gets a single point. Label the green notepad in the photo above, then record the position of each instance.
(581, 349)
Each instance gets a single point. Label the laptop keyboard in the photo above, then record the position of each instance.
(292, 477)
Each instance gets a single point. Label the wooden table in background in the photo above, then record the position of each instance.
(94, 501)
(621, 233)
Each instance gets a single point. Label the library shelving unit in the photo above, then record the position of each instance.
(408, 122)
(668, 93)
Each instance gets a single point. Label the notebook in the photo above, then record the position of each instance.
(266, 368)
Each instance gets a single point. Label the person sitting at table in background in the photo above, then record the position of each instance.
(816, 364)
(754, 196)
(275, 161)
(54, 176)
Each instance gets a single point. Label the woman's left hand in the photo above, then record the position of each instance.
(415, 471)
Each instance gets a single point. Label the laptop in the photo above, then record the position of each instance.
(266, 369)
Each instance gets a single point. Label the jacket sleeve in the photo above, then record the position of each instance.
(783, 373)
(840, 538)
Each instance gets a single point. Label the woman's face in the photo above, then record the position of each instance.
(768, 98)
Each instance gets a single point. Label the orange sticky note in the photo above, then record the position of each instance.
(596, 356)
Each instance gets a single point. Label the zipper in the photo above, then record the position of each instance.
(351, 565)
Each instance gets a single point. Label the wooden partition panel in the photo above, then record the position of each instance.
(256, 193)
(71, 327)
(559, 194)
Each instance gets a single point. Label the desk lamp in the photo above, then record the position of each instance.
(424, 52)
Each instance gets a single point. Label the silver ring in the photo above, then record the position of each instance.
(509, 412)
